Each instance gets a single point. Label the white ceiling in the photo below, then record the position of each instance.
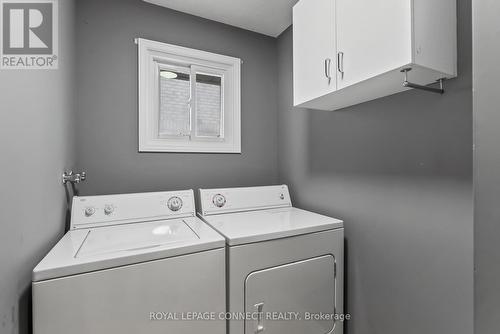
(268, 17)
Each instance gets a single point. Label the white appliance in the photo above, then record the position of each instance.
(134, 263)
(280, 259)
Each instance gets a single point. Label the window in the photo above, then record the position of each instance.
(189, 100)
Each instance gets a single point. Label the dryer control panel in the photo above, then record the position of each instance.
(95, 211)
(216, 201)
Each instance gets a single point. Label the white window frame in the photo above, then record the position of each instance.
(152, 56)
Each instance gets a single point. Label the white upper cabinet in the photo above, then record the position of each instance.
(314, 51)
(374, 40)
(369, 45)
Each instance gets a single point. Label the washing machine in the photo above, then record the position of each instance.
(284, 264)
(132, 263)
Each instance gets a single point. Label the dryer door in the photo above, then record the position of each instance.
(287, 299)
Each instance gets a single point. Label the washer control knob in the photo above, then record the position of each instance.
(108, 209)
(89, 211)
(174, 203)
(219, 200)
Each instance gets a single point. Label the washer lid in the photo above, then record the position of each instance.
(85, 250)
(261, 225)
(123, 238)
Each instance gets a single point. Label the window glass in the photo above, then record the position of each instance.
(208, 105)
(175, 93)
(189, 100)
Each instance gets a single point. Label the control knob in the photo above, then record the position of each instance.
(108, 209)
(219, 200)
(89, 211)
(174, 203)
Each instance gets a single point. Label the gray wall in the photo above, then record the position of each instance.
(398, 171)
(37, 117)
(107, 100)
(486, 29)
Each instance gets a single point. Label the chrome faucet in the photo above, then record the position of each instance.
(73, 177)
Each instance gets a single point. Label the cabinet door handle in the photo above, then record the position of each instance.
(259, 328)
(328, 65)
(340, 64)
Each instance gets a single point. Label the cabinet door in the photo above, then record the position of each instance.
(313, 49)
(288, 297)
(373, 37)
